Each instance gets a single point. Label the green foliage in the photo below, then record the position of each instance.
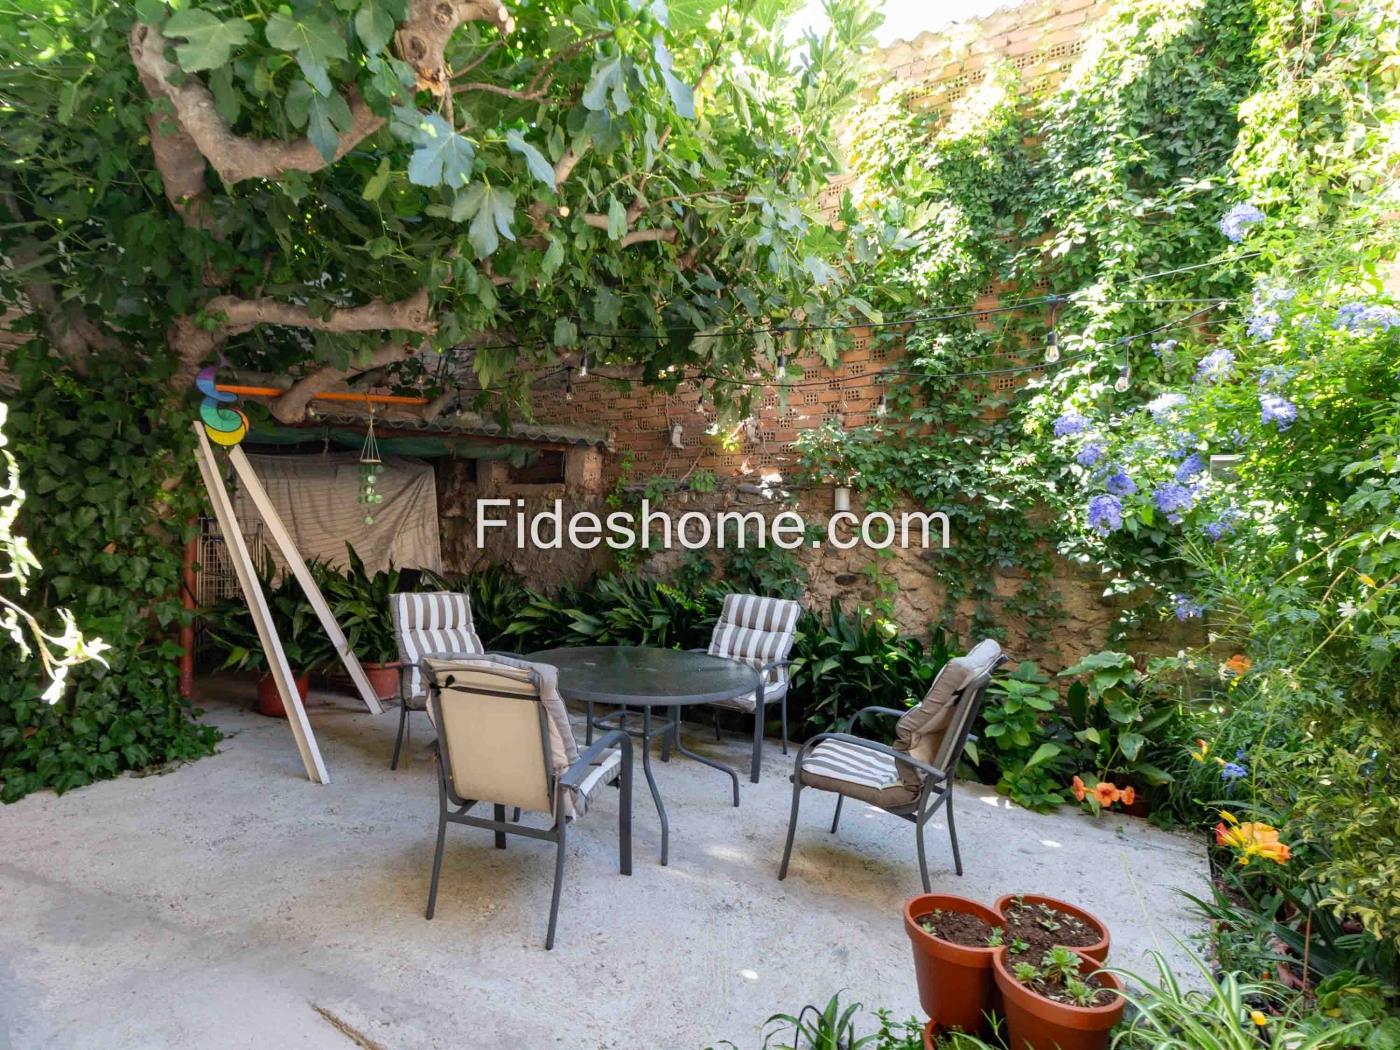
(108, 531)
(706, 132)
(1113, 717)
(304, 640)
(854, 659)
(360, 603)
(1016, 714)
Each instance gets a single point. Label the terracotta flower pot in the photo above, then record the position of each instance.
(956, 988)
(1098, 950)
(270, 700)
(383, 679)
(1034, 1022)
(930, 1035)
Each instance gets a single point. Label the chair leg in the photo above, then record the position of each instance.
(923, 860)
(792, 827)
(785, 738)
(588, 725)
(717, 736)
(836, 818)
(558, 884)
(624, 814)
(398, 740)
(516, 819)
(758, 714)
(953, 831)
(437, 853)
(501, 835)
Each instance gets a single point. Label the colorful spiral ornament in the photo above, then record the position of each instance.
(224, 424)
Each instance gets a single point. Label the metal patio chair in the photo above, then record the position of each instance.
(913, 777)
(427, 623)
(504, 738)
(759, 632)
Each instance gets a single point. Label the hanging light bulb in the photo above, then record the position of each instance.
(583, 366)
(882, 407)
(782, 365)
(1124, 378)
(568, 384)
(1052, 337)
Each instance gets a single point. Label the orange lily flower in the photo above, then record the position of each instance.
(1238, 664)
(1252, 839)
(1128, 795)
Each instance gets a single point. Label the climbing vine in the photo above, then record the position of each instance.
(109, 502)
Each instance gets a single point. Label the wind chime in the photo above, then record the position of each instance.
(371, 466)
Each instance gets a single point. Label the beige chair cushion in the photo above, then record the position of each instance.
(563, 749)
(921, 731)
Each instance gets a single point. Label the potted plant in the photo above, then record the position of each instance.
(304, 642)
(954, 941)
(1057, 999)
(1048, 922)
(360, 603)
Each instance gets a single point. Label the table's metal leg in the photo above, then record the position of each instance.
(651, 783)
(682, 749)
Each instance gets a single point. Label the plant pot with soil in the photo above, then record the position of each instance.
(270, 700)
(1047, 922)
(304, 641)
(1056, 999)
(954, 941)
(360, 601)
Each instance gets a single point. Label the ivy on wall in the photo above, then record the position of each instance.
(110, 492)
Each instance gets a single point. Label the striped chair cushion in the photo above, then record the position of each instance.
(860, 773)
(436, 623)
(756, 631)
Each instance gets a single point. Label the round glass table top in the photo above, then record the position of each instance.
(638, 674)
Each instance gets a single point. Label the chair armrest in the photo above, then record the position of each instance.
(869, 745)
(773, 665)
(892, 712)
(573, 776)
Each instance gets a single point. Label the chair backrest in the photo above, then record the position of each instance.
(936, 730)
(502, 729)
(755, 630)
(431, 623)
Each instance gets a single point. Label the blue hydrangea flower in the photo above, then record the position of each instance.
(1364, 318)
(1105, 514)
(1235, 223)
(1164, 406)
(1119, 483)
(1217, 365)
(1277, 410)
(1233, 771)
(1273, 293)
(1186, 609)
(1184, 444)
(1072, 422)
(1189, 468)
(1217, 530)
(1172, 499)
(1274, 376)
(1089, 454)
(1263, 324)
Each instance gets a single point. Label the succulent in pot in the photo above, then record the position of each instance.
(1058, 999)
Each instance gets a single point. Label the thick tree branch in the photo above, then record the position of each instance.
(422, 40)
(409, 314)
(291, 406)
(235, 158)
(496, 89)
(600, 222)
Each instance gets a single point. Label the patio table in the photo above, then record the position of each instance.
(640, 679)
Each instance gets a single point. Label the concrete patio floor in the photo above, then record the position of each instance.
(232, 904)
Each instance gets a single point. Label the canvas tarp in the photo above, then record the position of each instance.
(317, 498)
